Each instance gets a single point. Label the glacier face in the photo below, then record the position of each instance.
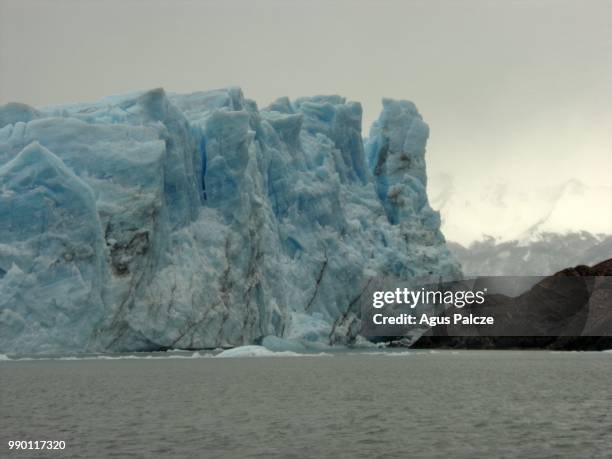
(150, 220)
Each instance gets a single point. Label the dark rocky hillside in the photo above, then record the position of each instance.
(570, 310)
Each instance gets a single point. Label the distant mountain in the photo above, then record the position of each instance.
(506, 212)
(540, 255)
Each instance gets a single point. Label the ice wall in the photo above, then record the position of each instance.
(151, 221)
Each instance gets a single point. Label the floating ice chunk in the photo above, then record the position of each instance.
(254, 351)
(276, 344)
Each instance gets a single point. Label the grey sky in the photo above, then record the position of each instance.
(515, 90)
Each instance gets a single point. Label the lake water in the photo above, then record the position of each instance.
(350, 405)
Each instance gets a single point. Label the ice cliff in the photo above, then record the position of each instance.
(151, 220)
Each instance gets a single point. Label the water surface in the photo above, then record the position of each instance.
(418, 404)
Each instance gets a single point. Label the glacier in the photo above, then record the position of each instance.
(152, 220)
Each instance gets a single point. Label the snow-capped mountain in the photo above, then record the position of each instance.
(152, 221)
(541, 256)
(507, 212)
